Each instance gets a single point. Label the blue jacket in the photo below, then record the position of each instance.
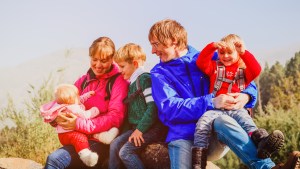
(181, 93)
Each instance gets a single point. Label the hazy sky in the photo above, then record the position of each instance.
(34, 28)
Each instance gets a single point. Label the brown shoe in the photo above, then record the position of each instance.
(270, 144)
(293, 162)
(199, 158)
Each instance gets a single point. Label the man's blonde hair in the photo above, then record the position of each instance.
(66, 94)
(102, 46)
(166, 30)
(129, 53)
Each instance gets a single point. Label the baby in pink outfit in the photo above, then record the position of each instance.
(67, 99)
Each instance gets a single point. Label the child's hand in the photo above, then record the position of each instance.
(240, 47)
(137, 137)
(92, 93)
(220, 45)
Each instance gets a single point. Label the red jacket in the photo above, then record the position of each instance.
(112, 112)
(209, 67)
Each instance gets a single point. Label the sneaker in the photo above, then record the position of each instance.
(88, 157)
(293, 162)
(267, 146)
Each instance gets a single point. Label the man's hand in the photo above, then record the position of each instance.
(231, 101)
(241, 99)
(224, 101)
(137, 137)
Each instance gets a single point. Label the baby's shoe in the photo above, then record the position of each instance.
(107, 136)
(88, 157)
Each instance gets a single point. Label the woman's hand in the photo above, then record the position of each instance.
(66, 120)
(137, 137)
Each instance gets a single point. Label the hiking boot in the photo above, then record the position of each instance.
(258, 135)
(199, 158)
(293, 162)
(268, 145)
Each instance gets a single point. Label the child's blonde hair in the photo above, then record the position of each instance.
(129, 53)
(168, 29)
(102, 46)
(66, 94)
(230, 40)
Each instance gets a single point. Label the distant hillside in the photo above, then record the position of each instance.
(68, 64)
(15, 80)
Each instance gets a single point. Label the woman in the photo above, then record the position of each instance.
(108, 99)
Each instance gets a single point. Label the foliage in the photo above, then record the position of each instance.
(32, 138)
(280, 86)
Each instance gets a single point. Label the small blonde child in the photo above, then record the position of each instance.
(232, 73)
(67, 99)
(144, 126)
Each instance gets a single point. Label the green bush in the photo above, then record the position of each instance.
(32, 138)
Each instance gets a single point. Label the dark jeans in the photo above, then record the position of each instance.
(66, 157)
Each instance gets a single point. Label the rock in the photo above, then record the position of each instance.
(18, 163)
(156, 156)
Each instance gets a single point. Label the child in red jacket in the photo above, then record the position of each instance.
(232, 73)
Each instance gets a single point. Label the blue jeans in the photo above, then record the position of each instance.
(227, 133)
(66, 157)
(204, 124)
(123, 151)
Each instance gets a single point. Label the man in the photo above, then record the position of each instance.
(181, 93)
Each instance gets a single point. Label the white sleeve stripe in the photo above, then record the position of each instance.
(147, 91)
(149, 99)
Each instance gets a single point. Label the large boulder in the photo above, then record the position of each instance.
(156, 156)
(19, 163)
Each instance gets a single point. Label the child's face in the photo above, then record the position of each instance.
(228, 56)
(126, 69)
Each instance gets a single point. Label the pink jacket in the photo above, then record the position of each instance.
(49, 112)
(112, 112)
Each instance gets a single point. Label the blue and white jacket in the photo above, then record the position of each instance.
(181, 93)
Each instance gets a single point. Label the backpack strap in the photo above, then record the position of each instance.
(219, 78)
(85, 82)
(109, 85)
(240, 78)
(139, 91)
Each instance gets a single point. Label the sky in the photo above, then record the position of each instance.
(33, 28)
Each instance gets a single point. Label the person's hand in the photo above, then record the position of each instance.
(66, 120)
(240, 47)
(220, 45)
(91, 93)
(224, 101)
(241, 99)
(137, 137)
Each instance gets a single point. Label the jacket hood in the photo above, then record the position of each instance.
(49, 111)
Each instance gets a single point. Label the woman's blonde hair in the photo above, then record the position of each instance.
(129, 53)
(104, 47)
(166, 30)
(66, 94)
